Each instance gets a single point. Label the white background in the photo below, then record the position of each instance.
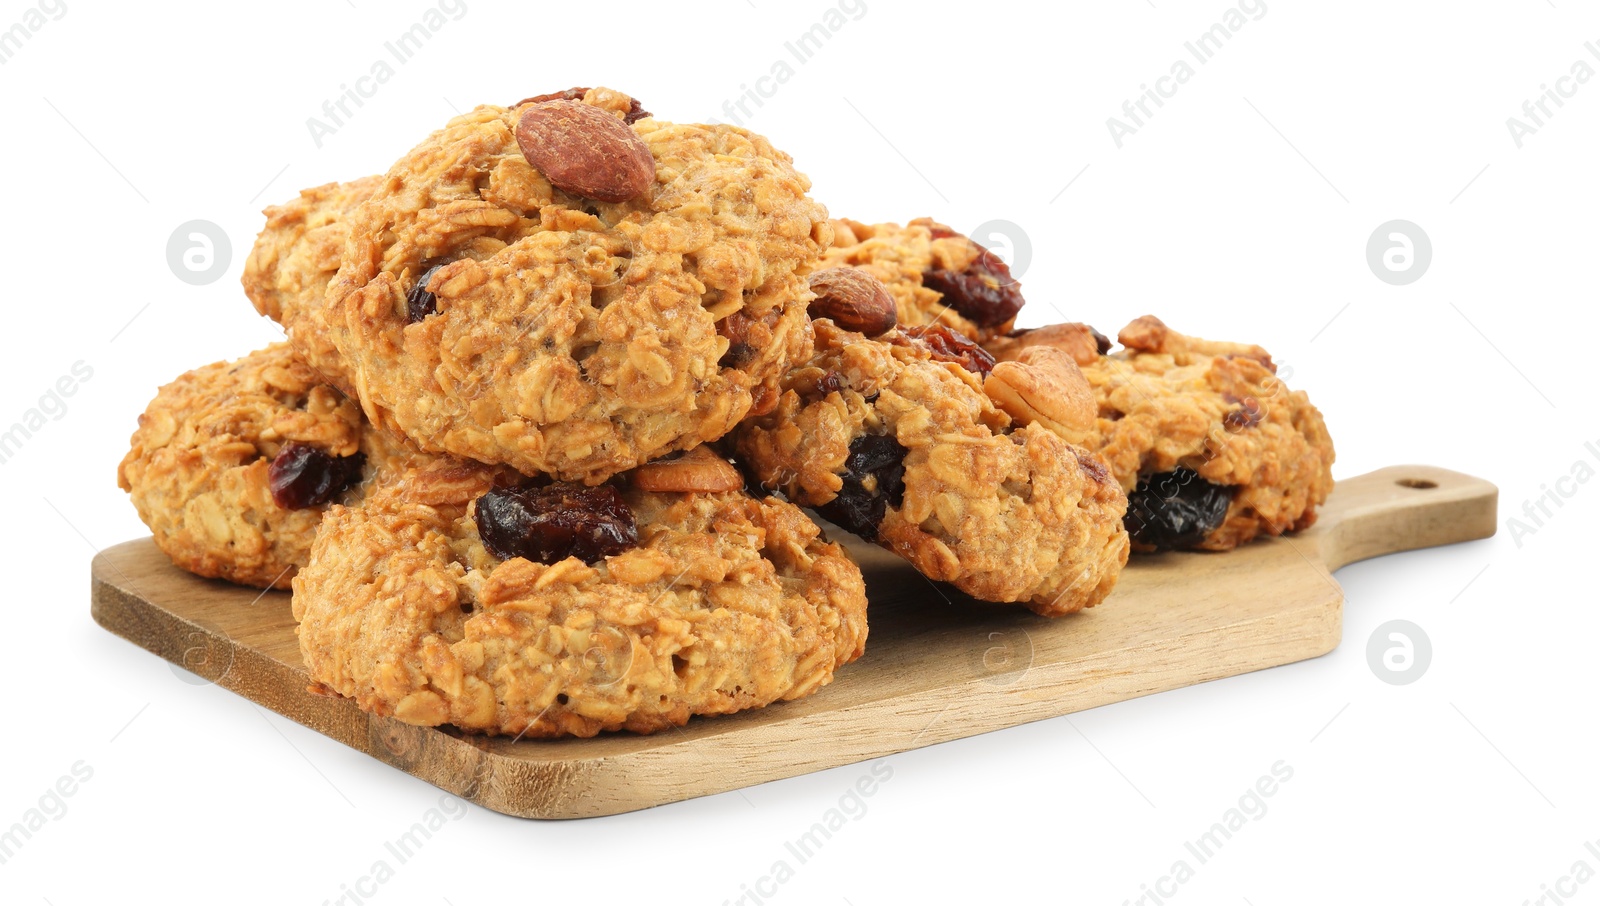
(1241, 210)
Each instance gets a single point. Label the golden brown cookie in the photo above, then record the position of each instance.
(553, 610)
(294, 257)
(1211, 446)
(896, 440)
(937, 276)
(488, 308)
(233, 464)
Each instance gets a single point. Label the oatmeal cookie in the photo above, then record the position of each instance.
(566, 609)
(937, 276)
(509, 313)
(296, 254)
(1211, 446)
(233, 464)
(921, 442)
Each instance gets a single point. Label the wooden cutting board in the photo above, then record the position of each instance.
(938, 666)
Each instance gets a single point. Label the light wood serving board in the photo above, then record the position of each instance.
(938, 665)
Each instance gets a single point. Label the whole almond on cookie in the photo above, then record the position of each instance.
(585, 151)
(852, 299)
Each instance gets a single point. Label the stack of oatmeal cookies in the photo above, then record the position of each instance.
(565, 387)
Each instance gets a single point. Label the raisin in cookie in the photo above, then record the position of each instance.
(233, 464)
(296, 254)
(552, 287)
(1211, 446)
(936, 275)
(563, 609)
(919, 441)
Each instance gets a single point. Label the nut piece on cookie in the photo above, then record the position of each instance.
(294, 257)
(518, 292)
(233, 465)
(1150, 334)
(584, 150)
(697, 471)
(1082, 342)
(896, 440)
(709, 603)
(853, 299)
(1044, 385)
(936, 275)
(1211, 446)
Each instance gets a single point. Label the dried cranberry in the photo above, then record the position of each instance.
(1248, 415)
(635, 111)
(419, 302)
(1092, 466)
(949, 345)
(1176, 510)
(858, 508)
(557, 521)
(303, 476)
(829, 382)
(1102, 343)
(985, 293)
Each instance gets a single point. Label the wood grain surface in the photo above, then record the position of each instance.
(938, 666)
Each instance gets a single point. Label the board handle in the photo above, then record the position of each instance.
(1403, 508)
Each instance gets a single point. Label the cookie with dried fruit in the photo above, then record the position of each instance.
(936, 275)
(545, 609)
(564, 287)
(234, 463)
(1211, 445)
(919, 441)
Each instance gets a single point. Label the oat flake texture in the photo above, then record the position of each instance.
(1169, 401)
(198, 464)
(725, 603)
(1003, 512)
(572, 336)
